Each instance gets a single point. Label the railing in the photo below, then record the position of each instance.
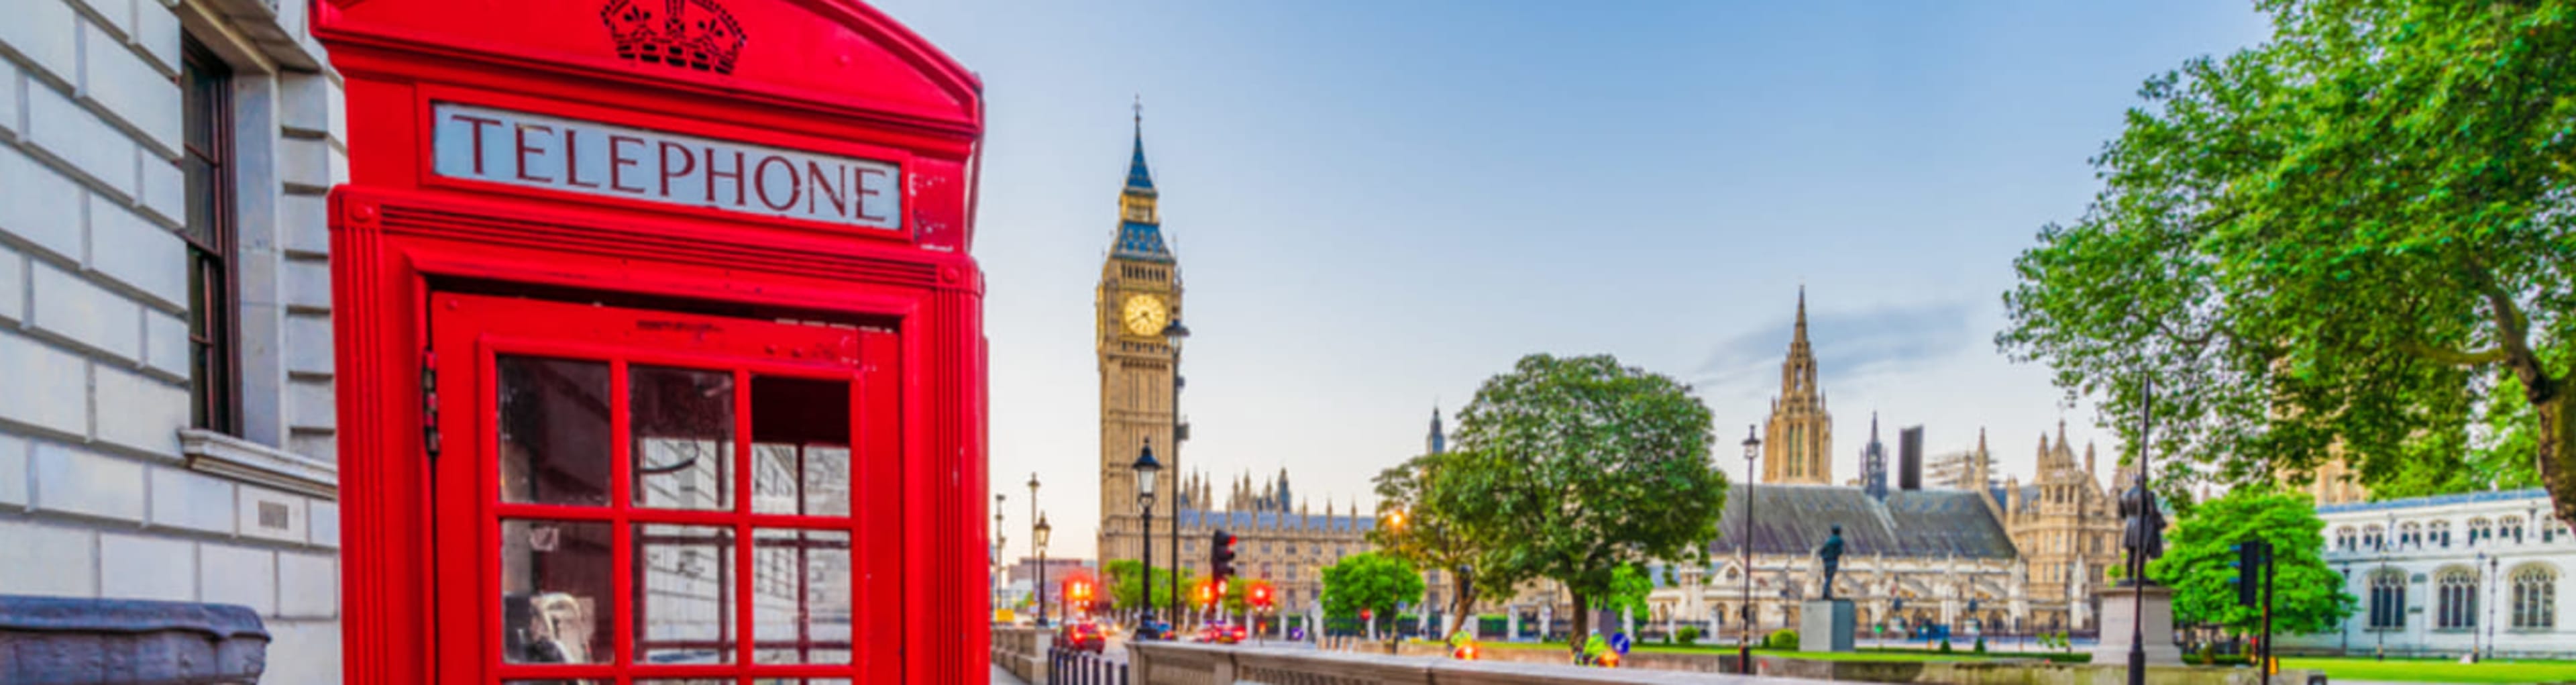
(1083, 668)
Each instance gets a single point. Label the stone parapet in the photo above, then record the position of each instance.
(1415, 664)
(1022, 650)
(63, 641)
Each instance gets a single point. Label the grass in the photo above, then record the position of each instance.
(2438, 670)
(1865, 654)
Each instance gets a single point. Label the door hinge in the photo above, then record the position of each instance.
(429, 402)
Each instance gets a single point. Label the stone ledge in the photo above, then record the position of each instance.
(251, 462)
(63, 641)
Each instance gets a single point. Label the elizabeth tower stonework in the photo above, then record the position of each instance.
(1140, 292)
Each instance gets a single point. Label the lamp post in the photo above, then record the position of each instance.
(2399, 611)
(1038, 536)
(2346, 571)
(1146, 468)
(1744, 632)
(1001, 570)
(1173, 332)
(2493, 579)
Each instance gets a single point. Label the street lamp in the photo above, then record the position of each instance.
(1173, 333)
(1039, 536)
(1744, 632)
(2493, 579)
(1146, 468)
(1001, 569)
(2398, 611)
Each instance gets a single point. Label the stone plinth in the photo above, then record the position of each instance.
(69, 641)
(2121, 608)
(1826, 625)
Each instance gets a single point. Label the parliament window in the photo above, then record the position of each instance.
(2457, 608)
(213, 309)
(2535, 598)
(2388, 600)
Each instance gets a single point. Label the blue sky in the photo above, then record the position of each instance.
(1378, 204)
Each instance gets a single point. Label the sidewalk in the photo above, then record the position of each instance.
(1002, 677)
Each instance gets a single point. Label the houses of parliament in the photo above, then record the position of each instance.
(1973, 552)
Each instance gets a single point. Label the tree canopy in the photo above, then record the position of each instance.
(1571, 468)
(1418, 525)
(1371, 581)
(1126, 584)
(2353, 238)
(2308, 596)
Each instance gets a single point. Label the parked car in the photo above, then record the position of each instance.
(1080, 637)
(1221, 634)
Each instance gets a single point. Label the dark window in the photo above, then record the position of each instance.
(204, 84)
(2388, 600)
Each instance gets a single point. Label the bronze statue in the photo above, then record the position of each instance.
(2144, 536)
(1832, 553)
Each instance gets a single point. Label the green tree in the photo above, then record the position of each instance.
(2307, 596)
(1417, 525)
(1126, 584)
(2352, 236)
(1629, 585)
(1572, 468)
(1371, 581)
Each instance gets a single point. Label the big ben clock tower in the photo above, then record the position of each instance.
(1139, 294)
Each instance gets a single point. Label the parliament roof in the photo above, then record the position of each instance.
(1795, 519)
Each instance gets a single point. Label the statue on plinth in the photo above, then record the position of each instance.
(2144, 536)
(1832, 553)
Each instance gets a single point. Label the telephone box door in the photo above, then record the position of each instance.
(640, 496)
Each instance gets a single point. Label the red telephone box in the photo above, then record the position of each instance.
(660, 351)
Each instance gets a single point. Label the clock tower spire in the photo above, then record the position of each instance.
(1139, 294)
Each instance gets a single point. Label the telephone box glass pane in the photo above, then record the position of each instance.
(800, 446)
(800, 596)
(554, 431)
(684, 597)
(683, 437)
(556, 584)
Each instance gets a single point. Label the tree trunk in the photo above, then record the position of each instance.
(1465, 602)
(2556, 446)
(1582, 625)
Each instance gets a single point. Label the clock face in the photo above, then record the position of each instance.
(1143, 315)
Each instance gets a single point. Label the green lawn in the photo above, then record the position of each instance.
(1866, 654)
(2438, 671)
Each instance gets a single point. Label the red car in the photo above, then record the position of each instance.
(1222, 634)
(1080, 637)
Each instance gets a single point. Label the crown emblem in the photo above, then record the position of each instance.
(689, 34)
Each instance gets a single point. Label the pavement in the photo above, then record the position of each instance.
(1002, 677)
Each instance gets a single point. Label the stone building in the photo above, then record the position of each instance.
(1962, 470)
(2440, 576)
(1974, 556)
(2067, 528)
(1278, 538)
(1139, 294)
(167, 428)
(1798, 443)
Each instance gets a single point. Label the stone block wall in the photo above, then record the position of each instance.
(105, 489)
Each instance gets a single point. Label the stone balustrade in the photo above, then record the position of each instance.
(1022, 650)
(1194, 664)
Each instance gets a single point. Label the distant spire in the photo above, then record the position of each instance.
(1438, 441)
(1137, 176)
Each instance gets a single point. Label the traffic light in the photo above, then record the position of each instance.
(1221, 555)
(2253, 557)
(1261, 595)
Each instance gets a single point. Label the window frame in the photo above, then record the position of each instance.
(214, 299)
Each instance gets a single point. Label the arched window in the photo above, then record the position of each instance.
(2388, 600)
(2480, 529)
(2344, 538)
(2535, 598)
(2510, 527)
(2409, 535)
(2374, 537)
(2457, 606)
(2439, 534)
